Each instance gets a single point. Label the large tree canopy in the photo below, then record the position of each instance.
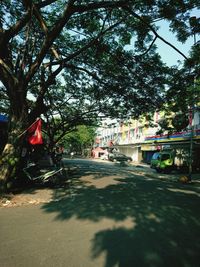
(83, 46)
(86, 39)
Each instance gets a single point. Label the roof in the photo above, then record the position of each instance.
(98, 149)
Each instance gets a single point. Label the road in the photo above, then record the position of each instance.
(111, 216)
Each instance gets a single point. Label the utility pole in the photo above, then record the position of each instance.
(194, 25)
(191, 115)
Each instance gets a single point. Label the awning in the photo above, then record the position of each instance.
(149, 147)
(3, 118)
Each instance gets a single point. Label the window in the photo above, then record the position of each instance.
(165, 156)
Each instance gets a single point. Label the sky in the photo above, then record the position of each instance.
(168, 54)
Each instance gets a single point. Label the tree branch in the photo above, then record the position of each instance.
(9, 72)
(90, 73)
(50, 37)
(44, 27)
(152, 29)
(45, 3)
(15, 29)
(103, 4)
(84, 48)
(149, 48)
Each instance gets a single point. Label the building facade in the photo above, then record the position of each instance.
(139, 139)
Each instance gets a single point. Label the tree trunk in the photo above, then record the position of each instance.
(11, 156)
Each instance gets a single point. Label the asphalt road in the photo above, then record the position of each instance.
(111, 216)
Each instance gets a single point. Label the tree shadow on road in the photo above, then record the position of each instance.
(164, 218)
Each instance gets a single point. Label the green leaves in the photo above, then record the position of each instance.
(83, 46)
(180, 121)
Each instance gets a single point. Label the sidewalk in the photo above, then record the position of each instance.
(174, 176)
(146, 170)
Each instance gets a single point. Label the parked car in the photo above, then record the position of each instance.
(104, 157)
(119, 157)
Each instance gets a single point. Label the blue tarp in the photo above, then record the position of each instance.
(3, 118)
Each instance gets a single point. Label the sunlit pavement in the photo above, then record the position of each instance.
(144, 169)
(111, 216)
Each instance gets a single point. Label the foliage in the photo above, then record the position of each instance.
(182, 97)
(83, 40)
(80, 140)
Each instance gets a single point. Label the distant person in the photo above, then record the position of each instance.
(72, 154)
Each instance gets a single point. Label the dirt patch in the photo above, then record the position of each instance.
(34, 196)
(26, 198)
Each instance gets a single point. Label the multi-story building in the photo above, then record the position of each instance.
(139, 138)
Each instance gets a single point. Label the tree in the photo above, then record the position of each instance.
(42, 40)
(81, 140)
(183, 94)
(68, 110)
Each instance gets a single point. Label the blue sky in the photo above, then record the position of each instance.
(168, 54)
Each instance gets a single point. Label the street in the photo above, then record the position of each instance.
(109, 216)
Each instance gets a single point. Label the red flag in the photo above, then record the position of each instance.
(35, 133)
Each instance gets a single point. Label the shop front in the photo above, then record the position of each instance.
(148, 150)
